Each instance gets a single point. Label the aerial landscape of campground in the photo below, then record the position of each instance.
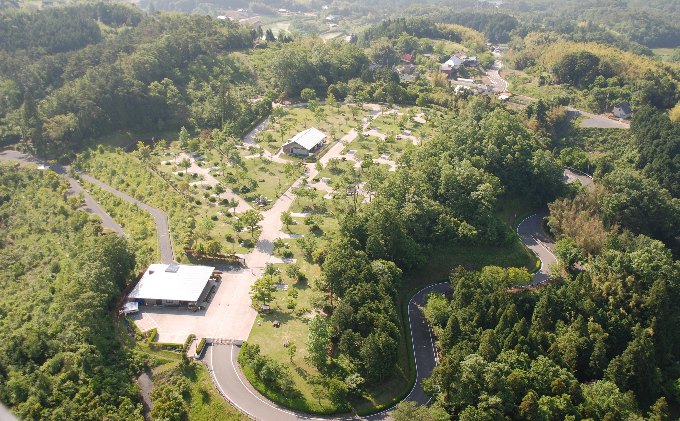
(380, 210)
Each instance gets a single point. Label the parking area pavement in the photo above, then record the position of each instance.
(228, 314)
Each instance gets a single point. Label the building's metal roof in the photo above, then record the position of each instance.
(172, 282)
(454, 61)
(623, 105)
(307, 138)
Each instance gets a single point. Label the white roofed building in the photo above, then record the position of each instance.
(306, 142)
(172, 284)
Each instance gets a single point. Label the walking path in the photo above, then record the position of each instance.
(162, 231)
(161, 218)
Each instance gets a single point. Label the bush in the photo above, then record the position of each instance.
(290, 304)
(213, 217)
(229, 237)
(200, 346)
(212, 199)
(198, 202)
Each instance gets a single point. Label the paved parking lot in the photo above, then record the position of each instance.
(227, 316)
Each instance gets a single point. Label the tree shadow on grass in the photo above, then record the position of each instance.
(205, 396)
(302, 372)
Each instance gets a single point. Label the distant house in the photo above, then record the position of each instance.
(331, 18)
(408, 58)
(469, 61)
(306, 142)
(622, 110)
(407, 68)
(451, 64)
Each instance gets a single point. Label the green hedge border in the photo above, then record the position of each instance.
(162, 345)
(200, 346)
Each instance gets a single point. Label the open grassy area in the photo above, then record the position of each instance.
(329, 120)
(446, 258)
(665, 53)
(201, 401)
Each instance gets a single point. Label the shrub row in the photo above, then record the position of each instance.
(160, 345)
(200, 347)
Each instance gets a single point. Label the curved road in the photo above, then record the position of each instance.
(531, 233)
(232, 384)
(91, 205)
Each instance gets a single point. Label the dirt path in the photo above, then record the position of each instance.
(252, 70)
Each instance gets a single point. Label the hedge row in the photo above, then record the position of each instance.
(187, 343)
(200, 347)
(160, 345)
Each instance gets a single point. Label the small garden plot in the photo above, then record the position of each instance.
(256, 177)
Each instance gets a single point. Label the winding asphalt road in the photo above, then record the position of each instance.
(91, 206)
(232, 384)
(531, 233)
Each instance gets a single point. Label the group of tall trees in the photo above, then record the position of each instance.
(599, 346)
(158, 73)
(313, 64)
(60, 357)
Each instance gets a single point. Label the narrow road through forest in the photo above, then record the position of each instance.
(531, 232)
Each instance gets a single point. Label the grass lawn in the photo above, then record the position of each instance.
(302, 118)
(446, 258)
(203, 402)
(665, 53)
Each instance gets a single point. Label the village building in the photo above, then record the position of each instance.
(622, 110)
(450, 65)
(171, 285)
(408, 58)
(305, 143)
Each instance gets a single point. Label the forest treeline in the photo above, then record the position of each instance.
(60, 356)
(168, 71)
(597, 21)
(59, 30)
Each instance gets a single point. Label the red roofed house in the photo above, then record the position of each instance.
(408, 58)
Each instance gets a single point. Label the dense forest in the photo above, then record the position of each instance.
(163, 73)
(60, 357)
